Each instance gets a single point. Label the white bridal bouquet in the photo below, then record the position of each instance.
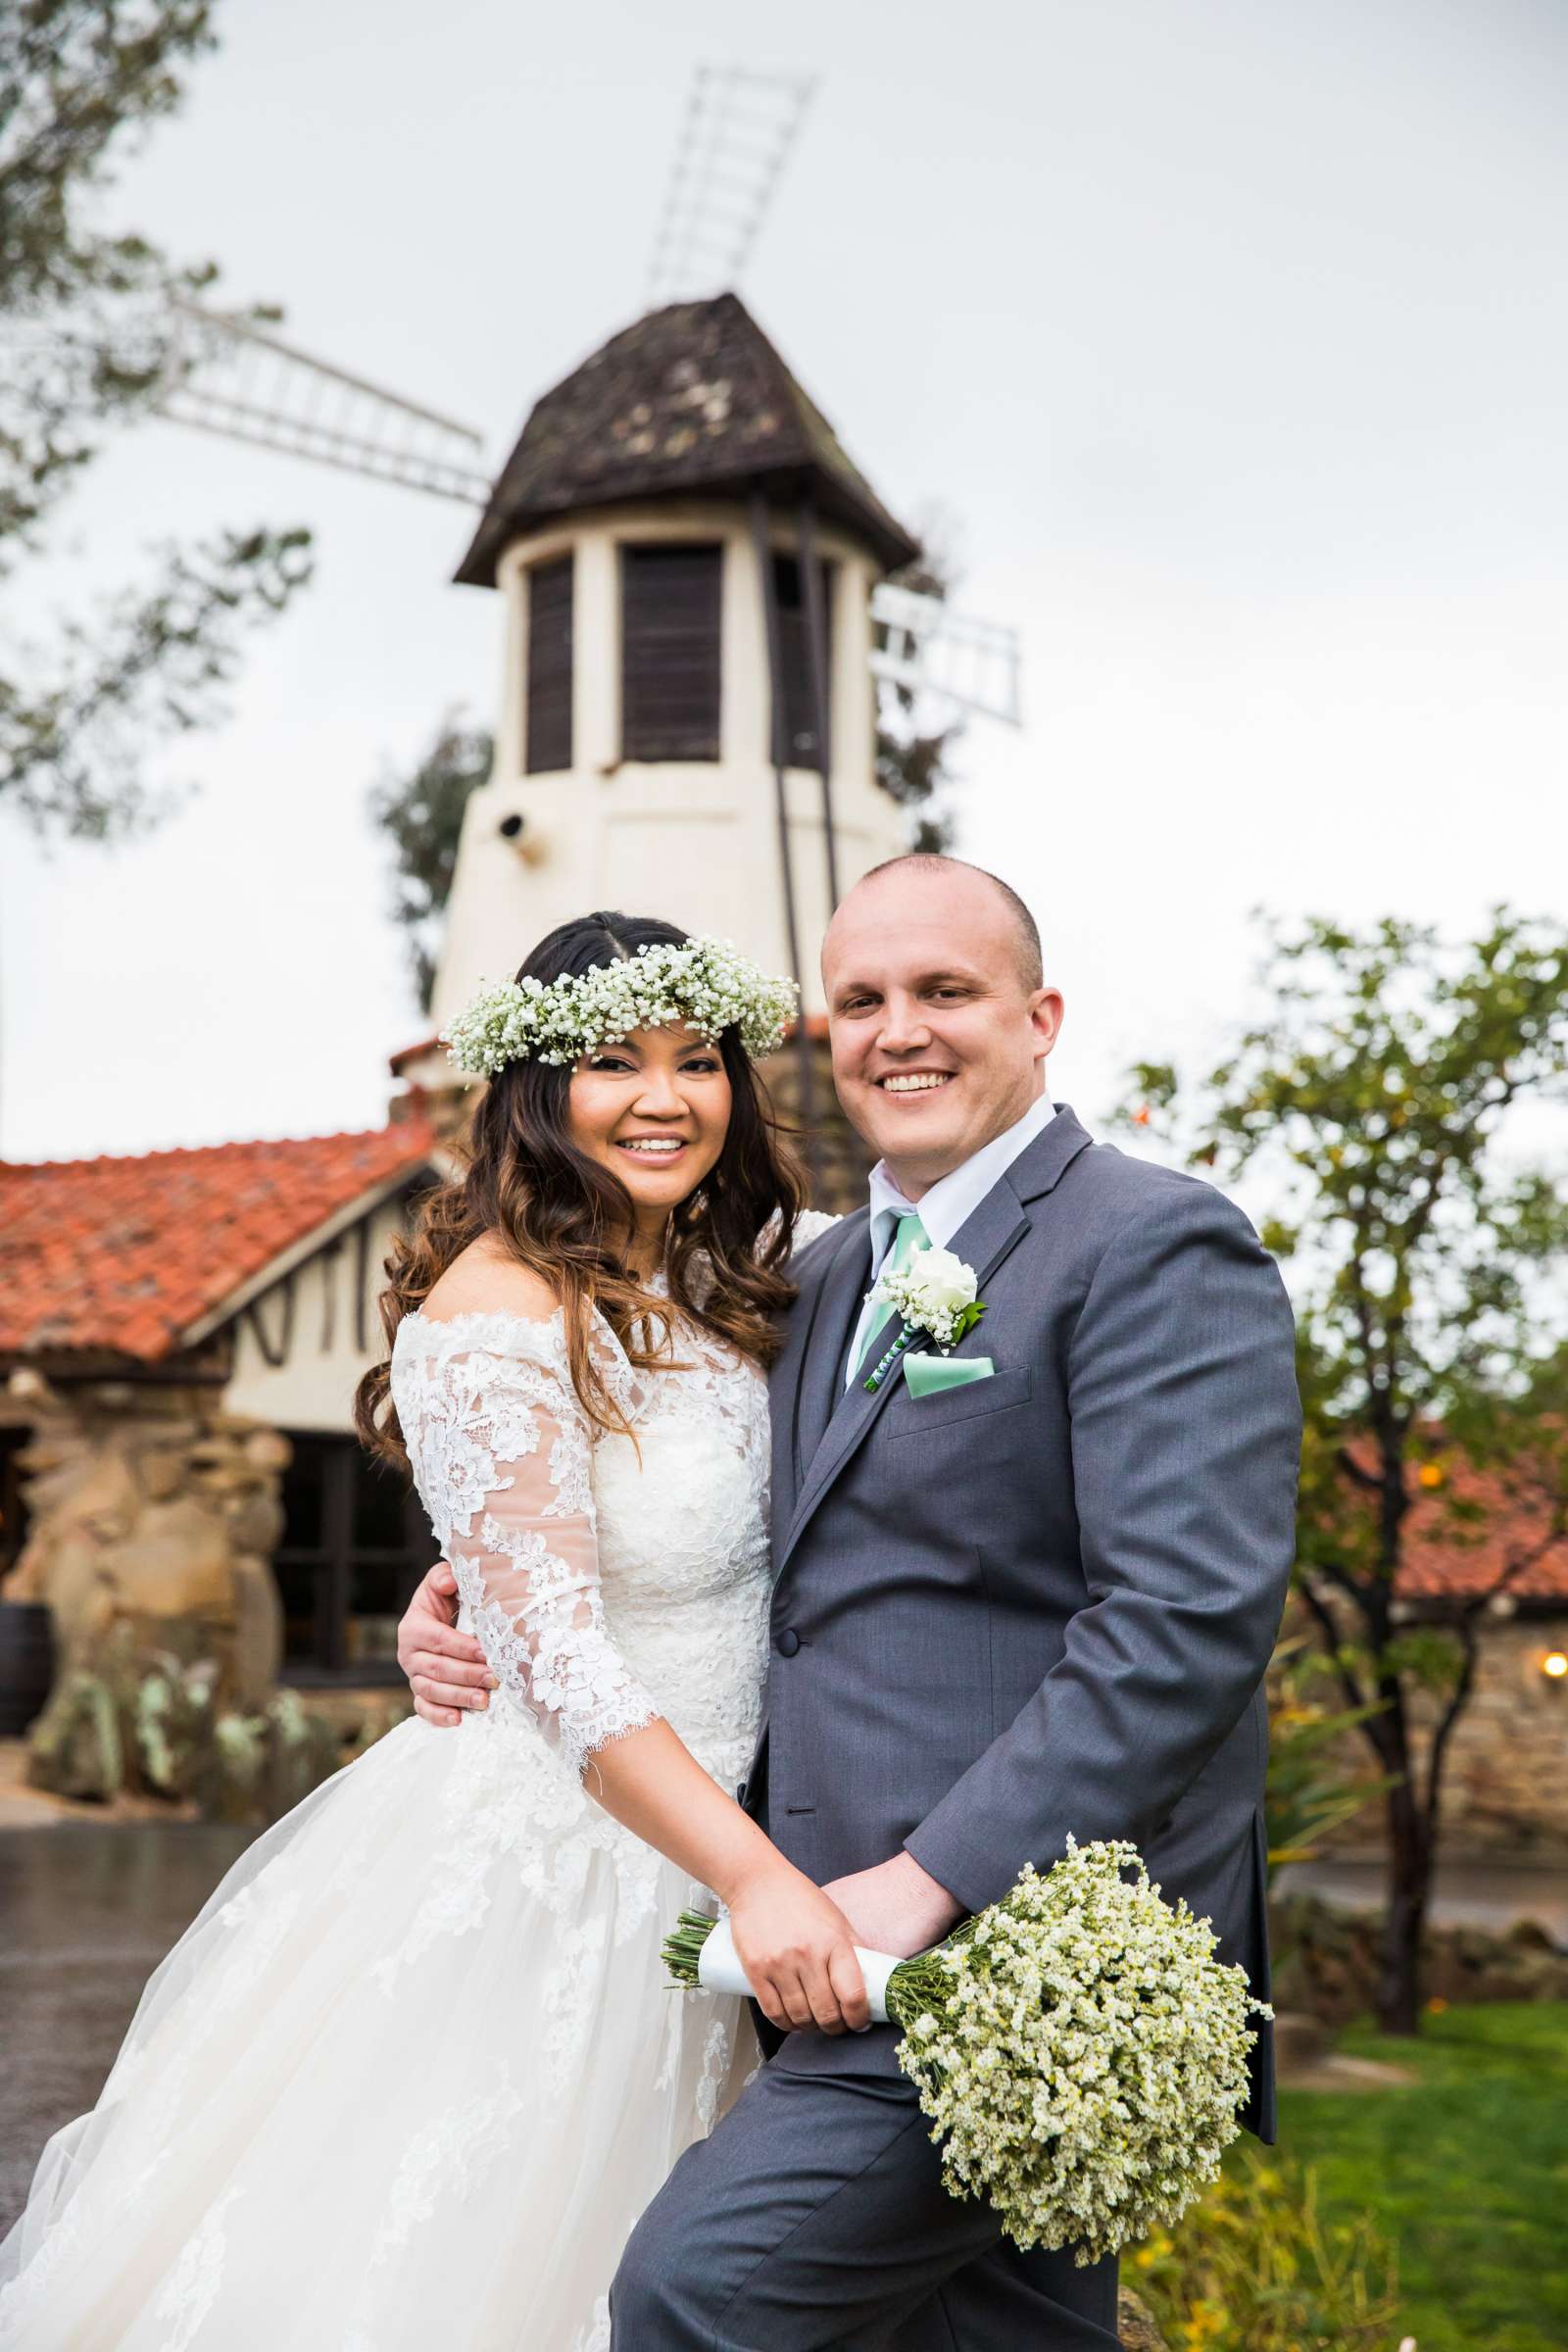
(1078, 2048)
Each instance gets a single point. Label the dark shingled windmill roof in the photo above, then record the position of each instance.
(691, 399)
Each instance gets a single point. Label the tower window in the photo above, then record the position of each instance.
(670, 609)
(549, 715)
(803, 749)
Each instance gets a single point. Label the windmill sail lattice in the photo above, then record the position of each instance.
(735, 140)
(921, 644)
(226, 375)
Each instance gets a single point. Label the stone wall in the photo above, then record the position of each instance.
(1327, 1960)
(153, 1517)
(1505, 1778)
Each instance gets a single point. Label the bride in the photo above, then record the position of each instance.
(419, 2033)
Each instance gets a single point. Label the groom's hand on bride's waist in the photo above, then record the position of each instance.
(898, 1907)
(446, 1670)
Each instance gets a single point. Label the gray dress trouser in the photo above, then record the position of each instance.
(815, 2217)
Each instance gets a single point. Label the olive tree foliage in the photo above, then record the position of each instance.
(1426, 1260)
(84, 349)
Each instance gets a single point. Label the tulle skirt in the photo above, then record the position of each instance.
(408, 2081)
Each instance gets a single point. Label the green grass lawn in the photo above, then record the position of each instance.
(1467, 2168)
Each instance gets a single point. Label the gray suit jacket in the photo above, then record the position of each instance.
(1040, 1602)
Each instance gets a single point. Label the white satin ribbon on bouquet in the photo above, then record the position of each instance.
(720, 1970)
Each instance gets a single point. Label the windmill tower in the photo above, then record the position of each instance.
(688, 558)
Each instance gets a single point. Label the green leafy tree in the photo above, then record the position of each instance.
(422, 816)
(86, 350)
(1433, 1355)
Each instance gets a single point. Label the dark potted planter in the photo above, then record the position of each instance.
(26, 1664)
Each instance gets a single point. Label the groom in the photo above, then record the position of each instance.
(1033, 1599)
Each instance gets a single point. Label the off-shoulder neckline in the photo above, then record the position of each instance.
(479, 1314)
(511, 1317)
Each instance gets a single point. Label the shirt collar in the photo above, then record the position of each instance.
(954, 1198)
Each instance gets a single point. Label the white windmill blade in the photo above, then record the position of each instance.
(227, 375)
(739, 127)
(919, 643)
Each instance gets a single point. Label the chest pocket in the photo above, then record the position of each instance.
(921, 1416)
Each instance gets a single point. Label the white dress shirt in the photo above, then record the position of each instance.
(947, 1208)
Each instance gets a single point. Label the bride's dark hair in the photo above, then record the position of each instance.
(561, 1213)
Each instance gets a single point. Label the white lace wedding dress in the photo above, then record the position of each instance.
(412, 2073)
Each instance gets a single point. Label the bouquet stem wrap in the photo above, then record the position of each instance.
(1078, 2048)
(720, 1970)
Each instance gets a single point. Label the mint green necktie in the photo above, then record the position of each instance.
(909, 1237)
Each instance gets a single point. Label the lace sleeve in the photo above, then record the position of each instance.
(522, 1549)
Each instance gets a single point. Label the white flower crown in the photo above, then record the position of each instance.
(705, 984)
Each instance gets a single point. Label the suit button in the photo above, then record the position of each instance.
(789, 1642)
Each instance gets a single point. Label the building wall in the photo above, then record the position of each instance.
(325, 1359)
(696, 842)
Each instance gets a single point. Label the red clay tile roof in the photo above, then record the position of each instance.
(398, 1062)
(1515, 1520)
(128, 1254)
(1503, 1513)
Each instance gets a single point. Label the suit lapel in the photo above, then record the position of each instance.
(983, 1240)
(838, 1309)
(799, 1389)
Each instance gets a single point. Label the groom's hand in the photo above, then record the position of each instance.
(898, 1907)
(446, 1670)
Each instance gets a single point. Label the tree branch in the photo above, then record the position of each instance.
(1332, 1642)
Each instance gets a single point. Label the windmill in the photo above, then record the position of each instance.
(689, 433)
(226, 374)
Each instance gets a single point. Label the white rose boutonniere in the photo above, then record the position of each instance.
(935, 1294)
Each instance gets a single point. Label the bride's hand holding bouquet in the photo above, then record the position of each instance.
(797, 1949)
(1078, 2048)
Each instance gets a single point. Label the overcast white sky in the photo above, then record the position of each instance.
(1232, 332)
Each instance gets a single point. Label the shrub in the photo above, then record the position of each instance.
(153, 1725)
(1251, 2268)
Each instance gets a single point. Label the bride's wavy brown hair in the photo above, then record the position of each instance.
(563, 1214)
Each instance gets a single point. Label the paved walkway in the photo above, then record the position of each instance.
(90, 1909)
(1482, 1895)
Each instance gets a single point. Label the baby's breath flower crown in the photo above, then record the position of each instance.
(706, 985)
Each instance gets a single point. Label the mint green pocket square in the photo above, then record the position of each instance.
(928, 1375)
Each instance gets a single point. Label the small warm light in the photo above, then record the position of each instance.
(1555, 1663)
(1140, 1115)
(1430, 1474)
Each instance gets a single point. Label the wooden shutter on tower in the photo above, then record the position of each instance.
(549, 717)
(803, 749)
(671, 603)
